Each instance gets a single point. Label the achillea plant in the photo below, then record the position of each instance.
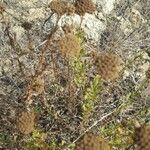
(79, 69)
(25, 122)
(108, 65)
(69, 46)
(91, 95)
(84, 6)
(142, 138)
(92, 142)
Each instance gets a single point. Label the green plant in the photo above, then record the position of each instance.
(91, 95)
(79, 69)
(37, 141)
(120, 136)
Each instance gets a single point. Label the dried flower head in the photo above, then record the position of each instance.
(25, 122)
(67, 28)
(69, 46)
(70, 9)
(2, 9)
(142, 138)
(26, 25)
(92, 142)
(108, 65)
(148, 73)
(37, 85)
(62, 7)
(84, 6)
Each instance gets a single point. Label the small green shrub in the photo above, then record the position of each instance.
(91, 95)
(79, 69)
(120, 136)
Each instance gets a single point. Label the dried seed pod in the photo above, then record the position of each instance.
(84, 6)
(142, 138)
(69, 46)
(92, 142)
(25, 122)
(108, 65)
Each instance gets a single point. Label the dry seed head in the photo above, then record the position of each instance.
(84, 6)
(108, 65)
(2, 9)
(92, 142)
(148, 73)
(70, 9)
(37, 85)
(142, 138)
(67, 28)
(62, 7)
(69, 46)
(25, 122)
(26, 25)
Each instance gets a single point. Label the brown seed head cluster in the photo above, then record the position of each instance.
(25, 122)
(62, 7)
(2, 9)
(69, 46)
(84, 6)
(37, 85)
(142, 138)
(148, 73)
(108, 65)
(26, 25)
(67, 28)
(92, 142)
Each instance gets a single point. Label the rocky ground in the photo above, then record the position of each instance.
(29, 57)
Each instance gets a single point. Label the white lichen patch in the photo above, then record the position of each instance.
(92, 27)
(75, 20)
(35, 13)
(107, 5)
(90, 24)
(136, 18)
(27, 3)
(19, 31)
